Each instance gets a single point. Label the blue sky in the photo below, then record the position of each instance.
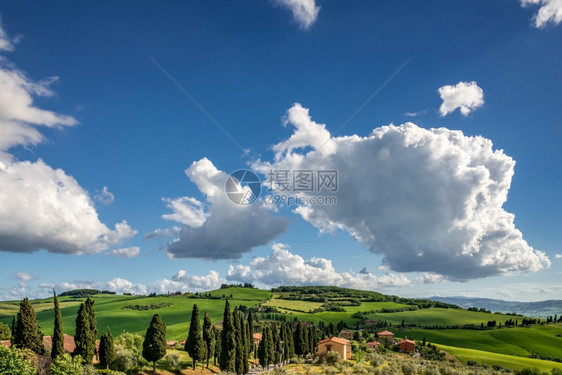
(112, 114)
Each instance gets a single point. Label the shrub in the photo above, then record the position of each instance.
(13, 362)
(125, 360)
(64, 364)
(173, 361)
(89, 370)
(375, 359)
(528, 371)
(331, 358)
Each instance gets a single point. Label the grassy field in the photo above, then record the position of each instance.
(507, 361)
(442, 317)
(110, 313)
(303, 306)
(510, 341)
(240, 294)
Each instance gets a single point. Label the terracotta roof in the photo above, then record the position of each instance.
(6, 343)
(385, 333)
(257, 336)
(373, 343)
(69, 344)
(335, 339)
(406, 340)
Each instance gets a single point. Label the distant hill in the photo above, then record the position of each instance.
(541, 309)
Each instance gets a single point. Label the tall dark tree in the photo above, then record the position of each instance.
(240, 345)
(251, 345)
(58, 336)
(245, 366)
(208, 337)
(28, 335)
(154, 345)
(298, 339)
(263, 350)
(217, 350)
(86, 331)
(291, 342)
(194, 344)
(276, 338)
(14, 323)
(107, 349)
(312, 340)
(228, 342)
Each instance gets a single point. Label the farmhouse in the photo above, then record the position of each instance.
(334, 344)
(257, 338)
(346, 335)
(407, 345)
(386, 336)
(170, 344)
(373, 345)
(68, 345)
(370, 322)
(6, 343)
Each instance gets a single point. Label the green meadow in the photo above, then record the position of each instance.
(508, 347)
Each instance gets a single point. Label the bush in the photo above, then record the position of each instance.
(125, 360)
(173, 361)
(528, 371)
(89, 370)
(375, 359)
(13, 362)
(331, 358)
(64, 364)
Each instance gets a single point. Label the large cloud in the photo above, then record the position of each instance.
(549, 11)
(466, 96)
(218, 229)
(428, 200)
(282, 267)
(304, 12)
(41, 207)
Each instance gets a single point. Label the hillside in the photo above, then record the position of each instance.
(540, 309)
(440, 323)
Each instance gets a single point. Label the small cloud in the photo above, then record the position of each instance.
(430, 278)
(549, 11)
(466, 96)
(304, 12)
(557, 256)
(126, 252)
(104, 196)
(415, 114)
(24, 276)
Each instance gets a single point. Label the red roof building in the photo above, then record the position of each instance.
(386, 336)
(407, 345)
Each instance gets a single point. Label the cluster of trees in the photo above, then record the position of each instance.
(245, 285)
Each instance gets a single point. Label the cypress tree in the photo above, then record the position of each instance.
(86, 332)
(58, 337)
(290, 342)
(217, 335)
(28, 335)
(107, 349)
(306, 344)
(154, 345)
(263, 352)
(276, 339)
(313, 340)
(240, 345)
(228, 342)
(194, 344)
(270, 347)
(251, 346)
(244, 340)
(208, 337)
(14, 323)
(298, 339)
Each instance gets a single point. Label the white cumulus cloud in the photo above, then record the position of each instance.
(304, 12)
(126, 252)
(428, 200)
(430, 278)
(466, 96)
(217, 228)
(42, 207)
(549, 11)
(557, 256)
(282, 267)
(5, 43)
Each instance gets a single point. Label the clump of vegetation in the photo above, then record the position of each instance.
(152, 306)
